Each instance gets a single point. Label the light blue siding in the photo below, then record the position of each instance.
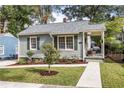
(10, 43)
(23, 45)
(46, 39)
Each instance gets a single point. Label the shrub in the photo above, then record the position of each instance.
(75, 59)
(30, 54)
(51, 54)
(36, 61)
(64, 59)
(22, 61)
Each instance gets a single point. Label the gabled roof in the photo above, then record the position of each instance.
(62, 28)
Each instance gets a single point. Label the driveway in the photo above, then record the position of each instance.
(7, 62)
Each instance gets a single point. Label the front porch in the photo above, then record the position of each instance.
(93, 44)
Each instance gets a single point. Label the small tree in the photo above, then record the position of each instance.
(51, 54)
(30, 54)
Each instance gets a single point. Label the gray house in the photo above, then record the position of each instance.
(81, 39)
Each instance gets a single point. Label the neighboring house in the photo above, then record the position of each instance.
(70, 38)
(8, 46)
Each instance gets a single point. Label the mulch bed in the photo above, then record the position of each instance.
(46, 73)
(117, 61)
(39, 63)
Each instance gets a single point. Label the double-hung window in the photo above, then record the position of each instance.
(1, 49)
(66, 42)
(61, 42)
(33, 43)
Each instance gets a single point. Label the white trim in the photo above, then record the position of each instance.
(103, 45)
(18, 49)
(84, 53)
(2, 50)
(30, 42)
(65, 42)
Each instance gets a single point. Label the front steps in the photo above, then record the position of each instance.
(94, 60)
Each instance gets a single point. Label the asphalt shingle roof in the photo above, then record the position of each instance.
(62, 28)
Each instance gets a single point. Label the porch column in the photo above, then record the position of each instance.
(103, 44)
(88, 41)
(84, 52)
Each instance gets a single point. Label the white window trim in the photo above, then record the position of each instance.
(3, 50)
(65, 42)
(30, 43)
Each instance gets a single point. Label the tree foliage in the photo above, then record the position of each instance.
(43, 13)
(113, 29)
(96, 13)
(19, 17)
(16, 16)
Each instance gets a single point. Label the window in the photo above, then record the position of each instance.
(33, 43)
(69, 42)
(66, 42)
(1, 49)
(61, 42)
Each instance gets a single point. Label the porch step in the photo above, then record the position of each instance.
(94, 60)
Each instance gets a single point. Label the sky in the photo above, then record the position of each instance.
(59, 17)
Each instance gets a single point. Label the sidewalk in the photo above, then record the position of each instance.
(91, 77)
(45, 65)
(6, 84)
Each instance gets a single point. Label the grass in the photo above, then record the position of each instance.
(112, 74)
(66, 76)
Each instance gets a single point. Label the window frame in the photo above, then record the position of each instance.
(3, 50)
(31, 44)
(65, 37)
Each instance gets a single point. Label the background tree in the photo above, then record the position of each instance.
(43, 13)
(114, 28)
(96, 13)
(20, 17)
(51, 54)
(16, 16)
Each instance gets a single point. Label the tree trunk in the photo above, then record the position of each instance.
(49, 68)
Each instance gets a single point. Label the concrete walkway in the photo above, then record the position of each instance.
(91, 77)
(45, 65)
(6, 84)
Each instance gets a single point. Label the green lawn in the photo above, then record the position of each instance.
(66, 76)
(112, 74)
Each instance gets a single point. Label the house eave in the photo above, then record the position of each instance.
(46, 33)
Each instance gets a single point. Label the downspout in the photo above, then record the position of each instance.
(52, 38)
